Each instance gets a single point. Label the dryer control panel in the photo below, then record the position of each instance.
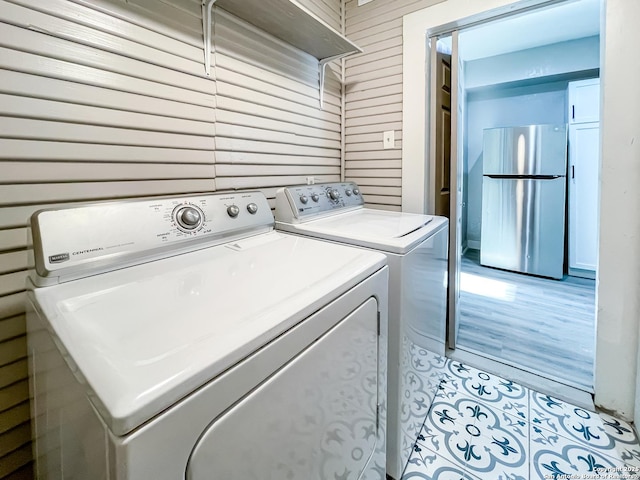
(305, 202)
(70, 243)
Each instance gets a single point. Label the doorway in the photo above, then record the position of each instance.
(519, 318)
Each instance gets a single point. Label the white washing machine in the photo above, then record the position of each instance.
(184, 338)
(416, 247)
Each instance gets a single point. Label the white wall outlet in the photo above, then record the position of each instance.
(311, 180)
(388, 139)
(363, 2)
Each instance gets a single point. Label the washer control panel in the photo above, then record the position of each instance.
(103, 236)
(306, 201)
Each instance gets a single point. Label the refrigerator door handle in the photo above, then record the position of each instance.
(531, 177)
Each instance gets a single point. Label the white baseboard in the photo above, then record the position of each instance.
(579, 272)
(473, 244)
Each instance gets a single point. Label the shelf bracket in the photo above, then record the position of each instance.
(322, 64)
(206, 31)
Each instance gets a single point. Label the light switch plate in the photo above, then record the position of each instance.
(388, 139)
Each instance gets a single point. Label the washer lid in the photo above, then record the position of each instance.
(393, 232)
(143, 337)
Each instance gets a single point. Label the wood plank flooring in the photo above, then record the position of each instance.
(540, 325)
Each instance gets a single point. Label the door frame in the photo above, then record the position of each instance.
(419, 79)
(418, 177)
(617, 363)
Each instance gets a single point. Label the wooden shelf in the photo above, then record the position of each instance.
(290, 22)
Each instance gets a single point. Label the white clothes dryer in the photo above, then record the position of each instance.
(416, 247)
(183, 338)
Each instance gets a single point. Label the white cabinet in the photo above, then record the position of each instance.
(584, 188)
(584, 101)
(583, 181)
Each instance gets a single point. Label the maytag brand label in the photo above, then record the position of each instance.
(59, 258)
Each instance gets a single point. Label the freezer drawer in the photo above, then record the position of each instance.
(523, 225)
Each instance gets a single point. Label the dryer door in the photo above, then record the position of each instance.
(316, 418)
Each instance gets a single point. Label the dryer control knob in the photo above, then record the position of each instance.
(188, 218)
(315, 197)
(348, 192)
(304, 199)
(252, 208)
(334, 194)
(233, 211)
(356, 191)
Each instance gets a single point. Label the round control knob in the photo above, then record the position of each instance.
(356, 191)
(348, 192)
(304, 199)
(233, 211)
(315, 197)
(334, 194)
(188, 218)
(252, 208)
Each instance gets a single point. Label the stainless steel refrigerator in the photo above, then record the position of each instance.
(523, 199)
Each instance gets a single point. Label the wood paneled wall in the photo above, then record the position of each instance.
(104, 99)
(373, 104)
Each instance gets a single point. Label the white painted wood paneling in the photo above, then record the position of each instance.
(294, 132)
(26, 128)
(43, 172)
(13, 238)
(13, 350)
(14, 394)
(270, 130)
(327, 10)
(16, 462)
(36, 193)
(373, 98)
(12, 327)
(13, 261)
(123, 21)
(78, 94)
(63, 111)
(32, 149)
(19, 435)
(249, 158)
(92, 106)
(10, 374)
(69, 28)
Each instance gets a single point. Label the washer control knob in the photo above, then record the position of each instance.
(356, 191)
(188, 218)
(348, 192)
(233, 211)
(315, 197)
(334, 194)
(252, 208)
(304, 199)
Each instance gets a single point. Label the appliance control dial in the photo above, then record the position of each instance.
(304, 199)
(348, 192)
(334, 195)
(356, 191)
(233, 211)
(188, 217)
(252, 208)
(315, 197)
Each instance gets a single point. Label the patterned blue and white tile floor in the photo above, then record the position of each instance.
(482, 427)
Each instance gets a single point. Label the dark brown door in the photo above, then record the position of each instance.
(443, 135)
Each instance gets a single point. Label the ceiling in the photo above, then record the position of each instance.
(544, 26)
